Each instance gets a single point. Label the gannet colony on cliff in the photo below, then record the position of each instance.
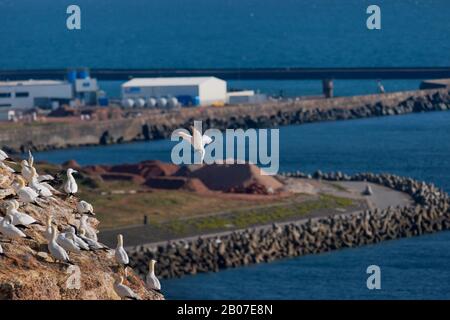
(29, 189)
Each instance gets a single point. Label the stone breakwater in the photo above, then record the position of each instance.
(430, 213)
(159, 125)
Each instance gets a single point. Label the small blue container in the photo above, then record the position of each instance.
(71, 76)
(103, 101)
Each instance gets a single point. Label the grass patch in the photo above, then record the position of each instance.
(253, 217)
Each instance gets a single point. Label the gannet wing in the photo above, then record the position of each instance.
(185, 136)
(30, 158)
(197, 137)
(206, 140)
(45, 177)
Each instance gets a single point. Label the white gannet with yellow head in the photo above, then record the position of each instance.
(71, 187)
(151, 280)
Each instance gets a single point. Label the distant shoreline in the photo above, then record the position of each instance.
(17, 138)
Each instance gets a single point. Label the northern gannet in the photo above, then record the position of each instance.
(4, 156)
(78, 241)
(57, 252)
(37, 186)
(94, 245)
(6, 167)
(71, 187)
(197, 140)
(10, 231)
(25, 170)
(26, 194)
(30, 158)
(151, 280)
(19, 218)
(84, 207)
(1, 251)
(49, 229)
(66, 241)
(91, 233)
(123, 291)
(120, 253)
(40, 178)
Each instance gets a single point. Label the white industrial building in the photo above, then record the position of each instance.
(23, 95)
(185, 91)
(18, 96)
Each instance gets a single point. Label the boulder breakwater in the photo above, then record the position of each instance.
(150, 125)
(429, 213)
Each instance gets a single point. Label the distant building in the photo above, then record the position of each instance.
(245, 97)
(19, 96)
(24, 95)
(167, 92)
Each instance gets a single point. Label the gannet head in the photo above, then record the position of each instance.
(151, 265)
(8, 219)
(33, 172)
(54, 232)
(119, 240)
(49, 221)
(24, 163)
(16, 203)
(82, 232)
(10, 205)
(70, 171)
(21, 182)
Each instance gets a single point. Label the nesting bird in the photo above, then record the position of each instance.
(123, 291)
(120, 254)
(19, 218)
(26, 194)
(66, 241)
(71, 187)
(93, 244)
(57, 252)
(90, 232)
(151, 280)
(10, 231)
(84, 207)
(39, 187)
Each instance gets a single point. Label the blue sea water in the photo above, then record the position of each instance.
(228, 33)
(416, 145)
(271, 33)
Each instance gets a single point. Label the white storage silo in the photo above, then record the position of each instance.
(151, 103)
(162, 102)
(172, 102)
(127, 103)
(139, 103)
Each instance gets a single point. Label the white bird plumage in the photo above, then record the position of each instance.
(94, 245)
(71, 187)
(19, 218)
(91, 233)
(78, 241)
(9, 230)
(120, 253)
(66, 241)
(25, 194)
(4, 156)
(151, 280)
(84, 207)
(197, 140)
(124, 291)
(40, 188)
(56, 251)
